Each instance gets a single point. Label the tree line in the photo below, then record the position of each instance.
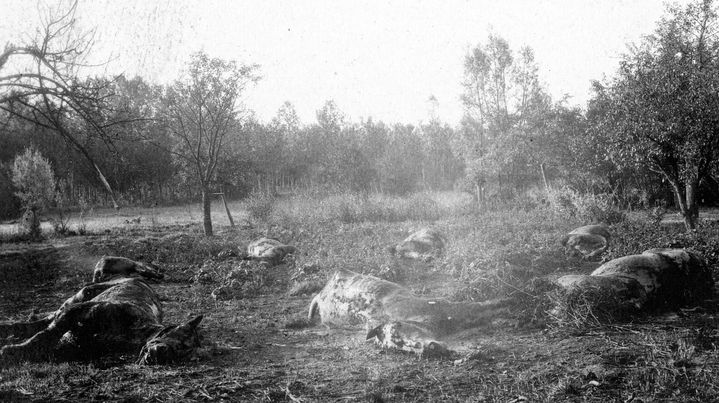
(647, 136)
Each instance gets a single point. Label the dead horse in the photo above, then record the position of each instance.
(118, 316)
(587, 241)
(660, 278)
(394, 316)
(425, 244)
(268, 250)
(109, 267)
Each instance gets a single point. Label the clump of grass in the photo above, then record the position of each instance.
(351, 208)
(260, 207)
(587, 207)
(419, 206)
(586, 307)
(656, 215)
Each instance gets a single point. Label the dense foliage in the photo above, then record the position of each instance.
(661, 111)
(32, 175)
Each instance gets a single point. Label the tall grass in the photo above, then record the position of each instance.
(259, 207)
(350, 208)
(590, 208)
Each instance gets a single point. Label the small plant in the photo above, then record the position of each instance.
(60, 224)
(82, 229)
(561, 201)
(656, 214)
(347, 211)
(60, 227)
(85, 210)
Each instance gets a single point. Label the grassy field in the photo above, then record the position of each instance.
(261, 355)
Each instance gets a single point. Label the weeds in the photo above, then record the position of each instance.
(351, 208)
(259, 207)
(588, 208)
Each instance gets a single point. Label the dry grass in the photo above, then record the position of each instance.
(267, 352)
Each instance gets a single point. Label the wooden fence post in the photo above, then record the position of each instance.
(227, 209)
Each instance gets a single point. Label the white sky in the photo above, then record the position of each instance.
(379, 59)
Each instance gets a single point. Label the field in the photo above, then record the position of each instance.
(262, 351)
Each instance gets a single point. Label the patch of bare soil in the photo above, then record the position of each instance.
(258, 358)
(33, 277)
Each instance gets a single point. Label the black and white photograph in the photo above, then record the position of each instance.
(359, 201)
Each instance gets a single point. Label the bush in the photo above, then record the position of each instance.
(32, 175)
(590, 208)
(35, 182)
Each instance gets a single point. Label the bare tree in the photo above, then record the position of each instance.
(201, 110)
(39, 83)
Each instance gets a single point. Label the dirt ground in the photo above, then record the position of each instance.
(258, 357)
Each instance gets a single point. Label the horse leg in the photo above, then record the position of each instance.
(41, 345)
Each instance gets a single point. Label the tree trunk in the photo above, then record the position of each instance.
(544, 178)
(207, 211)
(66, 135)
(692, 214)
(686, 200)
(227, 209)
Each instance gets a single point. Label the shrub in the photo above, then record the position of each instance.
(598, 208)
(35, 182)
(588, 306)
(656, 214)
(586, 207)
(32, 175)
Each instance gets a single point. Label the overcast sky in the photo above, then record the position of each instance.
(379, 59)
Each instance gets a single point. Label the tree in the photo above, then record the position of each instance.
(440, 166)
(504, 105)
(135, 169)
(401, 165)
(44, 87)
(662, 109)
(201, 110)
(32, 175)
(34, 179)
(287, 124)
